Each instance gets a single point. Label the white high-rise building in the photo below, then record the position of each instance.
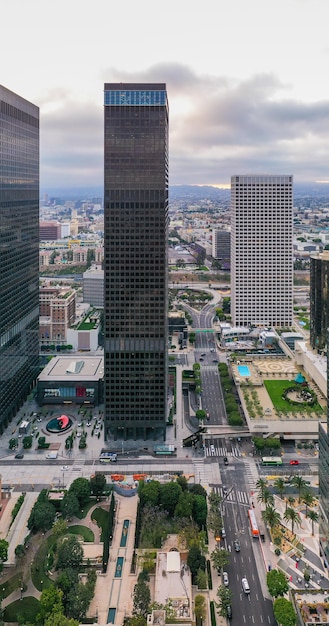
(261, 250)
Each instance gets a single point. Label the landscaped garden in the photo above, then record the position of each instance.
(278, 390)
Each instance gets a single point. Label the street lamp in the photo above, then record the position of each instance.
(63, 480)
(22, 589)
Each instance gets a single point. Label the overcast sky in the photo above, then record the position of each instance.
(247, 82)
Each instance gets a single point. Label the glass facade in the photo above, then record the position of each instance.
(324, 483)
(135, 264)
(319, 299)
(19, 251)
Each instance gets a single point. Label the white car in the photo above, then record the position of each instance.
(225, 579)
(64, 468)
(78, 434)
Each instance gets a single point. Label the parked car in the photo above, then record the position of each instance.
(229, 611)
(294, 462)
(225, 579)
(19, 456)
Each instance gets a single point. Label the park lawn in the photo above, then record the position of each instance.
(83, 512)
(11, 584)
(25, 609)
(275, 389)
(83, 531)
(39, 565)
(101, 517)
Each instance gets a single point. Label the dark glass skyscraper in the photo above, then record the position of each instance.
(135, 266)
(19, 251)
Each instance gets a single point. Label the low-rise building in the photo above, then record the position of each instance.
(71, 380)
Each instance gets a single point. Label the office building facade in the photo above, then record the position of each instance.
(19, 251)
(261, 250)
(324, 482)
(135, 260)
(319, 299)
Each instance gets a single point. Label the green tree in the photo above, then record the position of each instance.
(97, 485)
(20, 551)
(314, 517)
(290, 515)
(3, 550)
(280, 486)
(69, 505)
(182, 482)
(13, 443)
(42, 516)
(197, 490)
(180, 263)
(195, 561)
(42, 442)
(277, 583)
(51, 602)
(27, 442)
(308, 499)
(202, 579)
(284, 612)
(200, 608)
(70, 554)
(81, 489)
(199, 510)
(224, 595)
(300, 483)
(78, 602)
(149, 492)
(219, 558)
(169, 496)
(201, 414)
(214, 500)
(270, 516)
(60, 620)
(59, 528)
(266, 497)
(261, 485)
(184, 505)
(141, 599)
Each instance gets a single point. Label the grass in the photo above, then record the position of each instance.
(38, 568)
(11, 584)
(275, 389)
(101, 517)
(83, 512)
(25, 609)
(83, 531)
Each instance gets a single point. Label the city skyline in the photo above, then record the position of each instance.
(245, 82)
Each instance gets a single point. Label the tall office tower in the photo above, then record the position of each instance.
(221, 246)
(261, 250)
(135, 264)
(319, 299)
(324, 480)
(19, 251)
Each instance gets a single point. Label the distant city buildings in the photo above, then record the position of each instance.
(319, 299)
(221, 246)
(135, 263)
(57, 314)
(93, 286)
(261, 250)
(19, 251)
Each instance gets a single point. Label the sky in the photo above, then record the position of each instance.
(247, 82)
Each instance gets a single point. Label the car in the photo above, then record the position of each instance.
(236, 545)
(294, 462)
(223, 533)
(64, 468)
(225, 460)
(215, 360)
(88, 424)
(229, 611)
(79, 434)
(39, 419)
(80, 424)
(225, 579)
(225, 491)
(245, 585)
(212, 350)
(19, 456)
(203, 354)
(201, 358)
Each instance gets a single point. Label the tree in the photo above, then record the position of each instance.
(280, 486)
(81, 489)
(70, 505)
(51, 602)
(284, 612)
(42, 516)
(142, 598)
(201, 414)
(180, 263)
(97, 485)
(78, 601)
(3, 550)
(277, 583)
(59, 528)
(42, 442)
(314, 517)
(169, 496)
(195, 561)
(308, 500)
(199, 510)
(300, 483)
(27, 442)
(182, 482)
(70, 554)
(219, 558)
(60, 620)
(202, 579)
(270, 516)
(20, 551)
(224, 595)
(261, 485)
(149, 492)
(292, 516)
(214, 500)
(200, 609)
(266, 497)
(13, 443)
(184, 505)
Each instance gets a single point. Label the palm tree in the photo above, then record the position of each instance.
(261, 485)
(300, 483)
(280, 485)
(291, 501)
(308, 500)
(271, 517)
(290, 515)
(314, 519)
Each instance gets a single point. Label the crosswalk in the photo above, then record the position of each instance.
(216, 450)
(251, 472)
(233, 495)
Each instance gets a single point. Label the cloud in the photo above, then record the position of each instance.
(218, 127)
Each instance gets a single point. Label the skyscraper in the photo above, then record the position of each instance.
(19, 251)
(319, 300)
(135, 264)
(261, 250)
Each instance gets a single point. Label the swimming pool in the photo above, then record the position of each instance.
(244, 370)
